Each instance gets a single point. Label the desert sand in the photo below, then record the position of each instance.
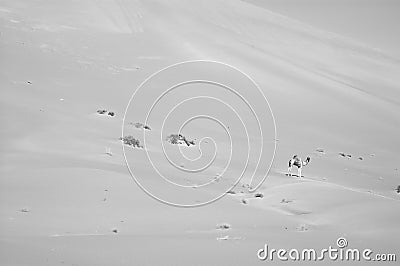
(67, 197)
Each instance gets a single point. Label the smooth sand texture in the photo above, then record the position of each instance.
(65, 200)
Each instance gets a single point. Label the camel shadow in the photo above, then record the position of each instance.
(295, 175)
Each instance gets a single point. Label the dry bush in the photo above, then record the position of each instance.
(131, 141)
(179, 139)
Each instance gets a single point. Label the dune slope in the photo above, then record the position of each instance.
(66, 195)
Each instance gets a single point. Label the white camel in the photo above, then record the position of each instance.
(296, 161)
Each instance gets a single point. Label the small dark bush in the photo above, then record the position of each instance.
(173, 139)
(259, 195)
(285, 201)
(141, 125)
(223, 226)
(131, 141)
(344, 154)
(398, 189)
(179, 139)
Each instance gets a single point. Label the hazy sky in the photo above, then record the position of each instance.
(374, 22)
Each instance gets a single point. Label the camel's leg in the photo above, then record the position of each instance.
(289, 171)
(299, 172)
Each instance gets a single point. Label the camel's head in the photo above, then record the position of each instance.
(294, 156)
(308, 159)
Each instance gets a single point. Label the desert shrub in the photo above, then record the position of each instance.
(259, 195)
(141, 125)
(131, 141)
(173, 139)
(179, 139)
(223, 226)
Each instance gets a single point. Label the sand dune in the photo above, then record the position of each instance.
(66, 196)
